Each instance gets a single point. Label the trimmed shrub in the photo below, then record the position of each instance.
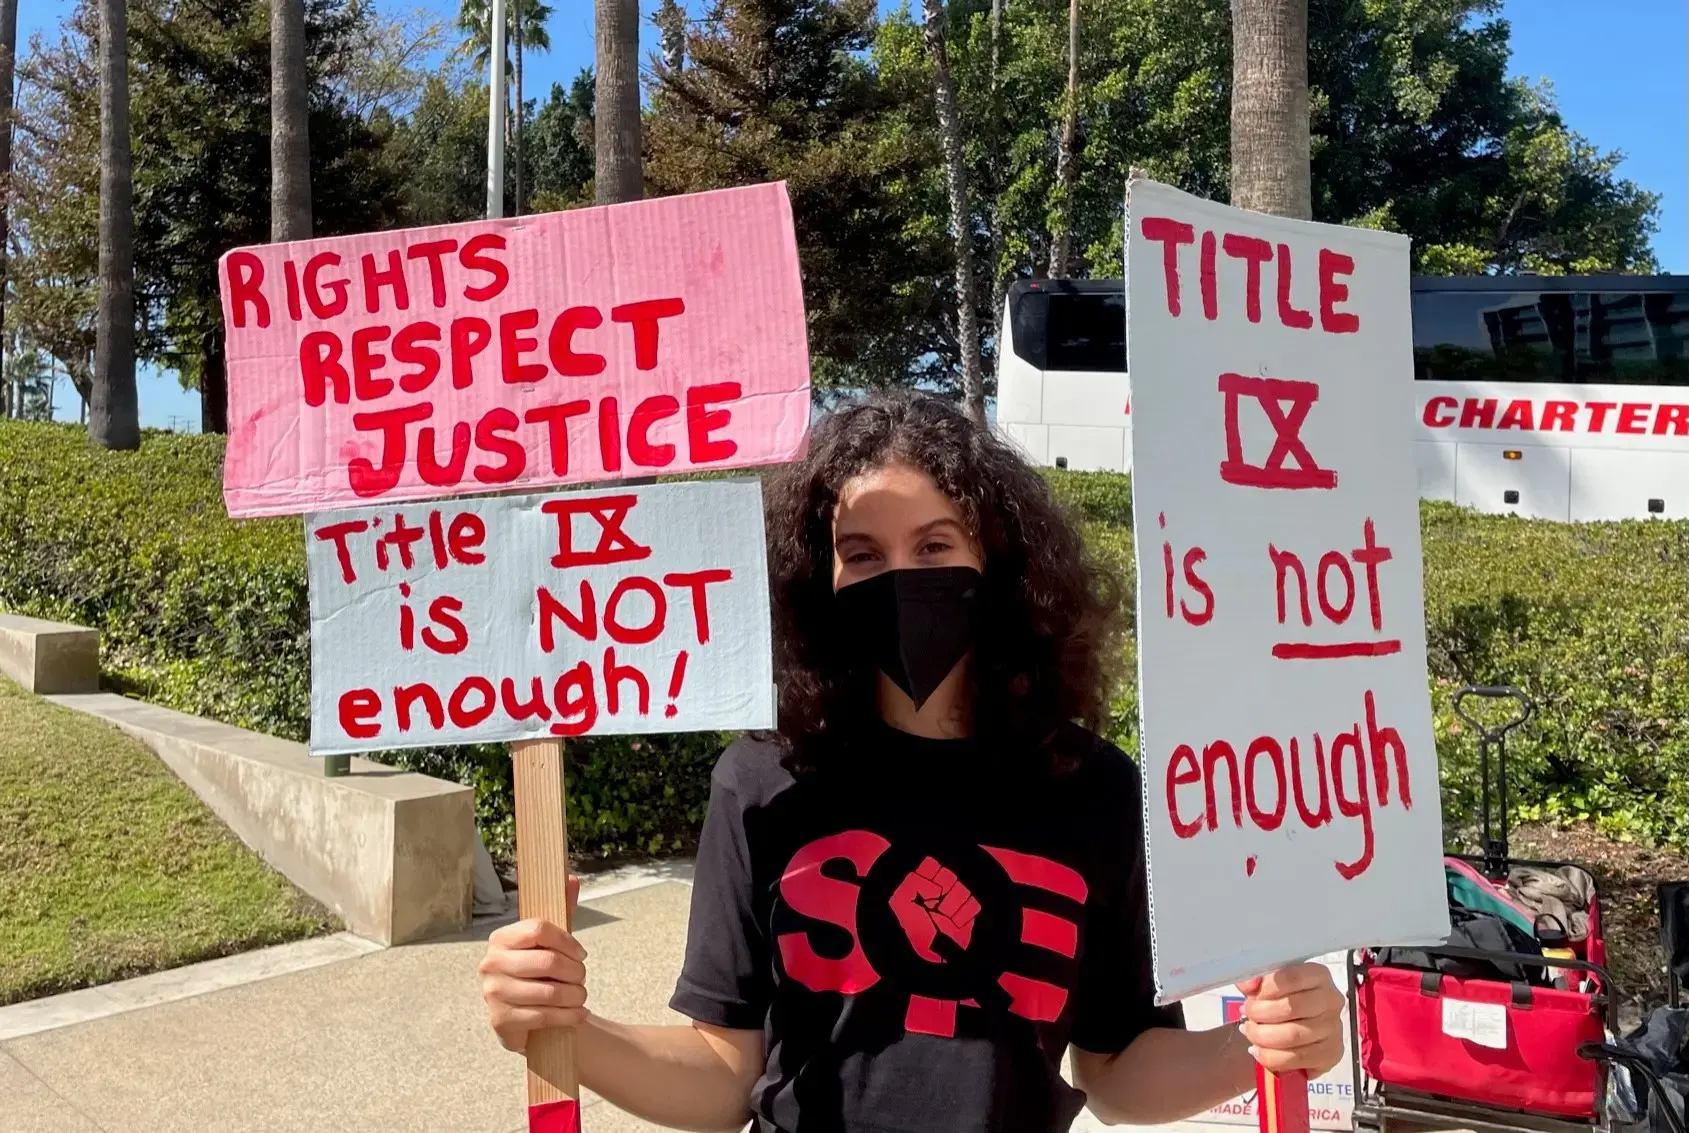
(1590, 620)
(210, 615)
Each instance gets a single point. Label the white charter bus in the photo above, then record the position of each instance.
(1549, 397)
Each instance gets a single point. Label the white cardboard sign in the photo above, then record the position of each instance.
(1290, 775)
(628, 609)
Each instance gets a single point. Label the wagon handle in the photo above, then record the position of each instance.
(1495, 851)
(1527, 708)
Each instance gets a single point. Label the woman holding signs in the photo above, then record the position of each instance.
(929, 886)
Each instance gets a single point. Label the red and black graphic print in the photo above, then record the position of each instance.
(949, 926)
(921, 929)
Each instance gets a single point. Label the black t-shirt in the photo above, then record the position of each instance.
(920, 929)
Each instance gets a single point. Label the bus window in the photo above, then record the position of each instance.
(1087, 332)
(1635, 339)
(1069, 330)
(1626, 338)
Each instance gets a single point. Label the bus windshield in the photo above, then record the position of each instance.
(1061, 327)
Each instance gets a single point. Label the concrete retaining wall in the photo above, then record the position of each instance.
(49, 657)
(391, 852)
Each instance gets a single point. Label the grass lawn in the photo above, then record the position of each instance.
(110, 867)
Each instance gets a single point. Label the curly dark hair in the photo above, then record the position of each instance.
(1048, 649)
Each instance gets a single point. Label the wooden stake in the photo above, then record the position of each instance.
(1281, 1100)
(542, 875)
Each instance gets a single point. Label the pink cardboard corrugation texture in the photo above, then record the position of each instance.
(729, 255)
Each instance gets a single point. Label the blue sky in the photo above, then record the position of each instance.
(1622, 79)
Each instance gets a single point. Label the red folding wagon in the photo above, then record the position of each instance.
(1475, 1038)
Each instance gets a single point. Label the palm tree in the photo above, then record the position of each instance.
(27, 376)
(995, 135)
(290, 140)
(8, 57)
(114, 419)
(961, 228)
(1270, 107)
(670, 19)
(617, 157)
(1062, 245)
(525, 26)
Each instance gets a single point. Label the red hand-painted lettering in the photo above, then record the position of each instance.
(614, 545)
(1272, 394)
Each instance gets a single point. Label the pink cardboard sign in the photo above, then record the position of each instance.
(655, 337)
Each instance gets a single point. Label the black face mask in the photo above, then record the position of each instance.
(912, 625)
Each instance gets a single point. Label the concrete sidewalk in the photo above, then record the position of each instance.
(357, 1039)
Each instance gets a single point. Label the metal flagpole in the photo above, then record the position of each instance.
(496, 107)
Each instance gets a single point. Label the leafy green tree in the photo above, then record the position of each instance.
(560, 156)
(1061, 243)
(784, 90)
(1415, 127)
(55, 201)
(383, 63)
(202, 126)
(442, 146)
(475, 17)
(201, 138)
(1153, 90)
(1558, 206)
(1418, 129)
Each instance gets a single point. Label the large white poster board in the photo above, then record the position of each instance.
(630, 609)
(1290, 774)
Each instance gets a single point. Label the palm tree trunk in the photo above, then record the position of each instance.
(1270, 107)
(516, 137)
(8, 59)
(213, 384)
(620, 173)
(996, 36)
(961, 223)
(114, 418)
(999, 160)
(290, 140)
(1061, 245)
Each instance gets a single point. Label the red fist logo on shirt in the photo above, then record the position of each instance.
(930, 901)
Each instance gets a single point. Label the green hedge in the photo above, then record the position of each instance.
(1591, 620)
(209, 615)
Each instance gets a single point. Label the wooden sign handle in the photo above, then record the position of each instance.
(542, 874)
(1281, 1100)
